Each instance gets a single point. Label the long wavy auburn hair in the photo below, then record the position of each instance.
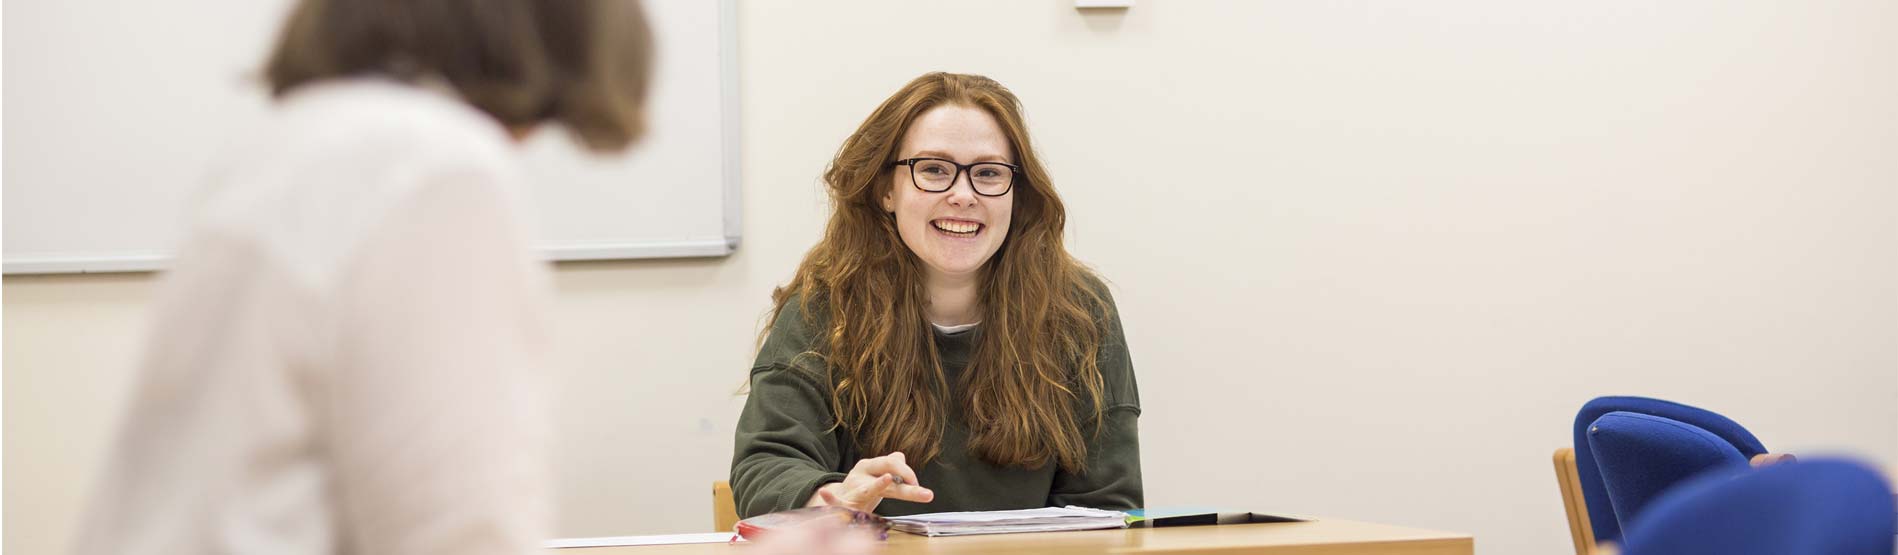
(1034, 380)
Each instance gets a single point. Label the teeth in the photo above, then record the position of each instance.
(957, 227)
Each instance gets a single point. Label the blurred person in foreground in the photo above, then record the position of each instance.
(346, 355)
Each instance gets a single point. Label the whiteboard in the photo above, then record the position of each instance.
(116, 111)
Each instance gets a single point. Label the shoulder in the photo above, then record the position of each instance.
(373, 107)
(382, 126)
(340, 160)
(795, 339)
(1120, 388)
(800, 317)
(368, 140)
(1093, 292)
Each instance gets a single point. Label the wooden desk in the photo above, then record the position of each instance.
(1322, 537)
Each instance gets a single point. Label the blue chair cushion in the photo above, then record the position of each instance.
(1641, 455)
(1601, 513)
(1812, 507)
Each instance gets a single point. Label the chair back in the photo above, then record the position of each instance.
(1601, 513)
(1640, 455)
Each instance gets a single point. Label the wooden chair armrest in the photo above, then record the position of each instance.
(1567, 478)
(724, 509)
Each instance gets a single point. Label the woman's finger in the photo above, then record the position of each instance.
(915, 494)
(893, 463)
(900, 466)
(871, 490)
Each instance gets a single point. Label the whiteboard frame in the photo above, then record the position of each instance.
(154, 261)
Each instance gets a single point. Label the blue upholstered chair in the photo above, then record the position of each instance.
(1815, 507)
(1591, 516)
(1640, 455)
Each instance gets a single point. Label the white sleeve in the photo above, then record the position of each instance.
(436, 417)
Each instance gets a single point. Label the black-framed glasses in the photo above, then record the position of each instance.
(935, 175)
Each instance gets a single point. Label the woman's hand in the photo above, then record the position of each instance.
(872, 480)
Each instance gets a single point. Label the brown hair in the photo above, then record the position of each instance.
(582, 63)
(1034, 369)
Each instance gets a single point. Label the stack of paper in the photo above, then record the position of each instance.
(1050, 519)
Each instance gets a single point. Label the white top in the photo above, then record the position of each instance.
(952, 330)
(346, 353)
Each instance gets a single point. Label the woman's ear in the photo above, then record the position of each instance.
(889, 200)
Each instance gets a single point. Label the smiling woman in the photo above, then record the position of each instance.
(951, 228)
(939, 349)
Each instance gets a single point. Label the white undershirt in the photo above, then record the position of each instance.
(952, 330)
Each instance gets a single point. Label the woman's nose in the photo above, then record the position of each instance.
(962, 190)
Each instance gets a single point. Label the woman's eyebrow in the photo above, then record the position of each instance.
(946, 156)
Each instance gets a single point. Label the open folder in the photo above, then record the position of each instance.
(1048, 519)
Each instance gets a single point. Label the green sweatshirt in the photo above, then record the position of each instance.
(786, 446)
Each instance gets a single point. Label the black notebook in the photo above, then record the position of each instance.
(1160, 517)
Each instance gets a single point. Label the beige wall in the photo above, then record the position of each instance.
(1371, 255)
